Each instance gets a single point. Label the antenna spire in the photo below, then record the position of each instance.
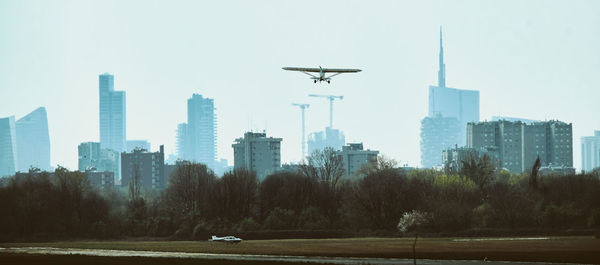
(442, 70)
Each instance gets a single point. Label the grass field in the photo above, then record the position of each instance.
(553, 249)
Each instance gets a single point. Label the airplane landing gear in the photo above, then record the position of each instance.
(315, 81)
(328, 81)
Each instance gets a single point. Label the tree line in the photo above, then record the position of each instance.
(316, 197)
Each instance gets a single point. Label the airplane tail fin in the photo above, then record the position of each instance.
(214, 237)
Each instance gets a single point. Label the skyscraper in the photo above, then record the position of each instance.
(33, 141)
(197, 139)
(181, 141)
(446, 103)
(590, 152)
(451, 102)
(8, 146)
(437, 134)
(112, 115)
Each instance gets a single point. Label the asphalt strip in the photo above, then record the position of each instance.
(165, 254)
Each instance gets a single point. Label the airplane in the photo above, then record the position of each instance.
(321, 72)
(226, 239)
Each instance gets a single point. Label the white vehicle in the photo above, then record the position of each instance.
(321, 72)
(226, 239)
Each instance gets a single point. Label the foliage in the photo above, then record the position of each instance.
(196, 204)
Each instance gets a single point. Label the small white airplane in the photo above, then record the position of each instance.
(226, 239)
(321, 72)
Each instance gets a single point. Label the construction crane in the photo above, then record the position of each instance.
(331, 98)
(302, 108)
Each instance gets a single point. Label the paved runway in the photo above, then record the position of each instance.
(321, 260)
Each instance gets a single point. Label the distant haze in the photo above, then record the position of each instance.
(537, 60)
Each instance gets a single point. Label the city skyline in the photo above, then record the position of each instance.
(535, 62)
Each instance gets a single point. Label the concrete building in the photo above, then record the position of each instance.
(112, 115)
(437, 134)
(330, 137)
(91, 157)
(197, 139)
(257, 153)
(520, 144)
(354, 157)
(590, 152)
(133, 144)
(8, 146)
(149, 166)
(451, 102)
(33, 141)
(102, 180)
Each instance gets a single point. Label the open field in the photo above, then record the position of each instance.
(552, 249)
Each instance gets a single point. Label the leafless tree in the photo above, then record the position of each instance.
(324, 166)
(189, 189)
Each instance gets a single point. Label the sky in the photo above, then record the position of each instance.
(529, 59)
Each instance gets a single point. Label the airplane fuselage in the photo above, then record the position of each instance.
(321, 76)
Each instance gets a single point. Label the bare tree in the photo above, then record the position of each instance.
(326, 169)
(324, 166)
(382, 163)
(189, 189)
(235, 194)
(134, 183)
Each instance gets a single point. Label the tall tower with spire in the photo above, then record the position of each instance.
(442, 70)
(450, 110)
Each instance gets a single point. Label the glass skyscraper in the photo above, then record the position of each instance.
(197, 140)
(33, 141)
(8, 146)
(112, 115)
(448, 108)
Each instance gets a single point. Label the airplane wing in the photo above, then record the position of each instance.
(334, 70)
(302, 69)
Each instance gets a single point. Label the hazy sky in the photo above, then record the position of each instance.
(529, 59)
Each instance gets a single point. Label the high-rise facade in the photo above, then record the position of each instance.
(437, 134)
(181, 144)
(256, 152)
(8, 146)
(112, 115)
(452, 102)
(354, 157)
(520, 144)
(590, 152)
(149, 167)
(447, 102)
(197, 139)
(33, 141)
